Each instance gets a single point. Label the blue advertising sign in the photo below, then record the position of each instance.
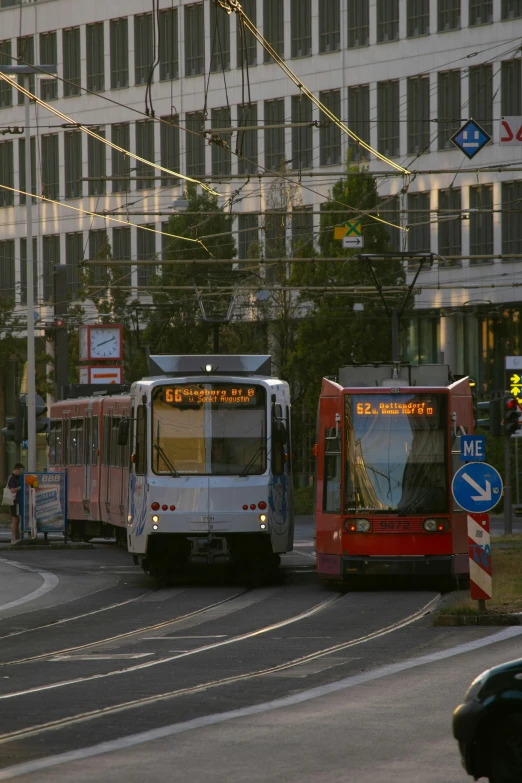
(473, 448)
(471, 138)
(477, 487)
(44, 503)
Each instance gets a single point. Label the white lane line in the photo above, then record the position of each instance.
(211, 636)
(195, 651)
(142, 737)
(306, 554)
(101, 657)
(50, 581)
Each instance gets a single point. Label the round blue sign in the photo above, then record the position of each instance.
(477, 487)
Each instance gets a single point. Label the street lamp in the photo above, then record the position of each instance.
(27, 71)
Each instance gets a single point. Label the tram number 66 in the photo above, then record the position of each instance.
(173, 395)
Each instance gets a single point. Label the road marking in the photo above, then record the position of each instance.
(50, 581)
(211, 636)
(101, 657)
(306, 554)
(142, 737)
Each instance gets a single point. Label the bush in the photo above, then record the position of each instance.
(304, 501)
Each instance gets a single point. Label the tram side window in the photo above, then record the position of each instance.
(115, 449)
(55, 443)
(95, 441)
(87, 454)
(65, 441)
(106, 441)
(79, 441)
(140, 454)
(332, 471)
(73, 442)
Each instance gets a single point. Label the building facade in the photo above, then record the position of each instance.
(404, 75)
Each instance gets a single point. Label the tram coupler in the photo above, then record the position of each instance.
(208, 550)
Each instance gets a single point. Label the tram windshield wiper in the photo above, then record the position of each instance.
(168, 463)
(251, 461)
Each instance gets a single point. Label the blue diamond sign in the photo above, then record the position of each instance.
(471, 138)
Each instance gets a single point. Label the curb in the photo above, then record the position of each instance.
(477, 619)
(42, 547)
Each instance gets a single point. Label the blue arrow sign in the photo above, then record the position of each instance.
(477, 487)
(471, 138)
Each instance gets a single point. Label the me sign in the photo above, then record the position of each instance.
(473, 448)
(511, 131)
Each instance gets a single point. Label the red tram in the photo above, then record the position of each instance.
(388, 446)
(83, 438)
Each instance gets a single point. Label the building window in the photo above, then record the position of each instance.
(194, 40)
(97, 167)
(419, 223)
(48, 56)
(246, 43)
(359, 119)
(6, 91)
(392, 213)
(450, 224)
(302, 138)
(511, 9)
(275, 234)
(21, 169)
(511, 223)
(73, 258)
(302, 232)
(120, 135)
(511, 88)
(329, 26)
(146, 241)
(330, 133)
(98, 248)
(448, 15)
(169, 143)
(168, 44)
(481, 96)
(7, 269)
(387, 20)
(301, 27)
(25, 55)
(221, 155)
(274, 137)
(418, 114)
(247, 140)
(388, 118)
(50, 166)
(71, 62)
(95, 57)
(143, 54)
(6, 173)
(51, 257)
(121, 251)
(145, 149)
(448, 107)
(119, 54)
(418, 18)
(480, 223)
(273, 27)
(248, 236)
(195, 142)
(220, 42)
(359, 23)
(73, 164)
(23, 270)
(480, 12)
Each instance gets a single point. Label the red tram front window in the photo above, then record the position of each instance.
(396, 453)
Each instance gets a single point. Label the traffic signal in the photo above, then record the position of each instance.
(13, 429)
(493, 423)
(42, 421)
(511, 416)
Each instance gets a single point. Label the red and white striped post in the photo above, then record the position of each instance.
(479, 545)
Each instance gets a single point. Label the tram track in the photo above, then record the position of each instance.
(67, 722)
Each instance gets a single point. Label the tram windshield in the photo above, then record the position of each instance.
(396, 453)
(203, 429)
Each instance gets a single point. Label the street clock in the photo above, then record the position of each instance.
(101, 341)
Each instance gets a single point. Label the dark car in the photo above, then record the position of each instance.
(488, 725)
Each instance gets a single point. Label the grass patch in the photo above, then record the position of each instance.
(507, 582)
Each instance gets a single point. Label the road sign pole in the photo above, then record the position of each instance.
(508, 526)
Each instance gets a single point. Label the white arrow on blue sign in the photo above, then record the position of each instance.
(477, 487)
(471, 138)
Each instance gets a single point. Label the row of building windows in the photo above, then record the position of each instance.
(420, 137)
(167, 50)
(278, 234)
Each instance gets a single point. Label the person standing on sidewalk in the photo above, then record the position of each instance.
(15, 483)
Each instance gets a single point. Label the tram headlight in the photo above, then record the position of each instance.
(357, 525)
(436, 525)
(154, 527)
(262, 517)
(155, 519)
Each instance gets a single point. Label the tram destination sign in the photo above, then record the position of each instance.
(215, 394)
(416, 408)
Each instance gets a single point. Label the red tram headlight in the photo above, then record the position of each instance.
(262, 505)
(155, 506)
(253, 506)
(357, 525)
(165, 507)
(245, 507)
(436, 525)
(173, 508)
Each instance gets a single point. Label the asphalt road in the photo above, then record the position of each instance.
(187, 682)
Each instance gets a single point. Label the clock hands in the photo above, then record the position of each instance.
(105, 342)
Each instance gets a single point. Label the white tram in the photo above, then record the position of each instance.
(211, 467)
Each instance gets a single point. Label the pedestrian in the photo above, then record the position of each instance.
(15, 483)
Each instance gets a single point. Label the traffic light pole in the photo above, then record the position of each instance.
(508, 522)
(31, 363)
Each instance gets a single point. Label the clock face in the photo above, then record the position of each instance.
(105, 343)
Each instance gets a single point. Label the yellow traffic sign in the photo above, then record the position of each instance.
(515, 391)
(515, 379)
(348, 229)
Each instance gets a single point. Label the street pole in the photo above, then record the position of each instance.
(31, 364)
(395, 335)
(508, 526)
